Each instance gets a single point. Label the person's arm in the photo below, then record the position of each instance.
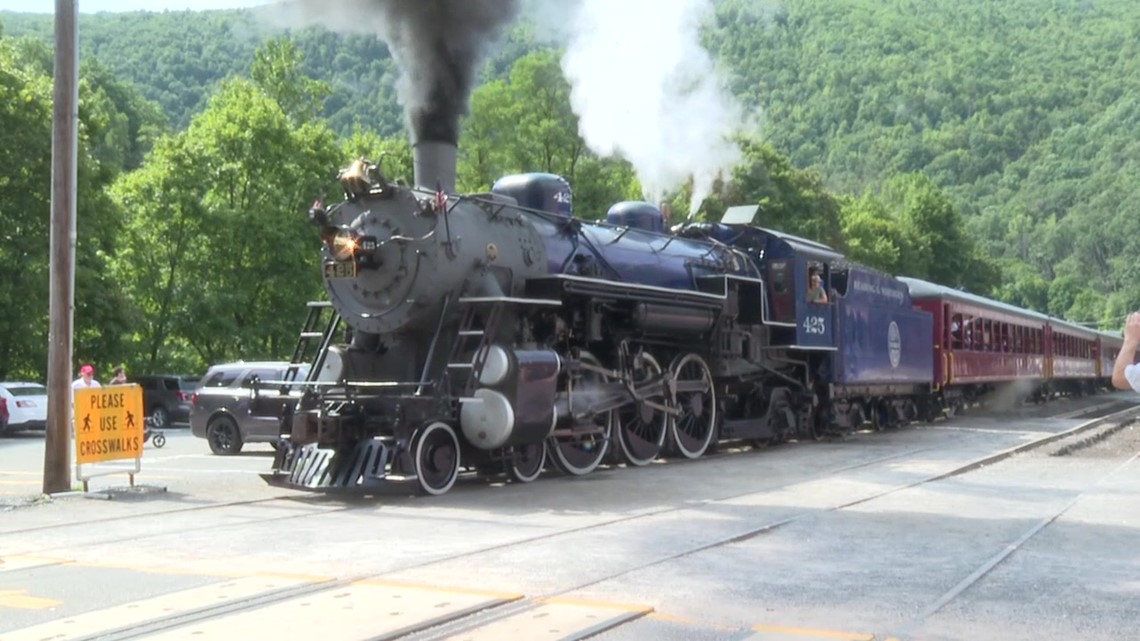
(1124, 376)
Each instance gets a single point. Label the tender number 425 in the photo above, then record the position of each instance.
(815, 325)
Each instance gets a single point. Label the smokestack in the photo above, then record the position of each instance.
(435, 165)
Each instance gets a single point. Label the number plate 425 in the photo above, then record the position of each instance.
(340, 269)
(814, 325)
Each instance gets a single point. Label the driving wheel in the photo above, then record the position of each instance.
(437, 458)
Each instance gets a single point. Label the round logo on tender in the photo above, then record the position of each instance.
(894, 344)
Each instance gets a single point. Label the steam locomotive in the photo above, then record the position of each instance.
(499, 333)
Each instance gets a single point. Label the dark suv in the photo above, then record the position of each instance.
(166, 397)
(224, 413)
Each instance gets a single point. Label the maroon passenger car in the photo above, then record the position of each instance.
(979, 343)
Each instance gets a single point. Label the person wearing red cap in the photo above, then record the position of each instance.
(86, 378)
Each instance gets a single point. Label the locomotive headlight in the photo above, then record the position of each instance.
(343, 245)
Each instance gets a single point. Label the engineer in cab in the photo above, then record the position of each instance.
(816, 293)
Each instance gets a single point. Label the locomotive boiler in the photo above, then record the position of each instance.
(496, 331)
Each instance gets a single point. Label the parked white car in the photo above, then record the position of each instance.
(26, 404)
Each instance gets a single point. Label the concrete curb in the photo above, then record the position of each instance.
(1025, 447)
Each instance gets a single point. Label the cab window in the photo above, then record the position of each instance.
(781, 292)
(778, 272)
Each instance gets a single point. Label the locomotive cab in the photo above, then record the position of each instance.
(801, 316)
(799, 291)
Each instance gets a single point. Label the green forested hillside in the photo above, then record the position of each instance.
(985, 145)
(178, 58)
(1024, 111)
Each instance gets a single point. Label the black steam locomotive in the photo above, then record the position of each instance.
(498, 332)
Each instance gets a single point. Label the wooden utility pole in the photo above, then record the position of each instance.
(64, 167)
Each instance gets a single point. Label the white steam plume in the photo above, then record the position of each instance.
(644, 87)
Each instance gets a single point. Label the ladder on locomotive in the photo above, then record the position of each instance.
(313, 333)
(479, 324)
(472, 342)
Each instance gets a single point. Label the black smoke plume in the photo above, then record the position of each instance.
(438, 45)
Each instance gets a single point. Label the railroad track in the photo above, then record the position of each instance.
(506, 610)
(1107, 418)
(292, 497)
(1067, 445)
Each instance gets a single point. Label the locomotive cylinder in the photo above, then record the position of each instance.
(655, 319)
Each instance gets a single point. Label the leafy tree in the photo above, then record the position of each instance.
(874, 237)
(1022, 286)
(790, 199)
(165, 224)
(101, 310)
(936, 246)
(1087, 307)
(25, 170)
(276, 70)
(1063, 294)
(524, 123)
(220, 251)
(260, 175)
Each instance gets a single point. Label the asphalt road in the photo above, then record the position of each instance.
(183, 465)
(858, 540)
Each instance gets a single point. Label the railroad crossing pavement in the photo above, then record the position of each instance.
(851, 540)
(184, 466)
